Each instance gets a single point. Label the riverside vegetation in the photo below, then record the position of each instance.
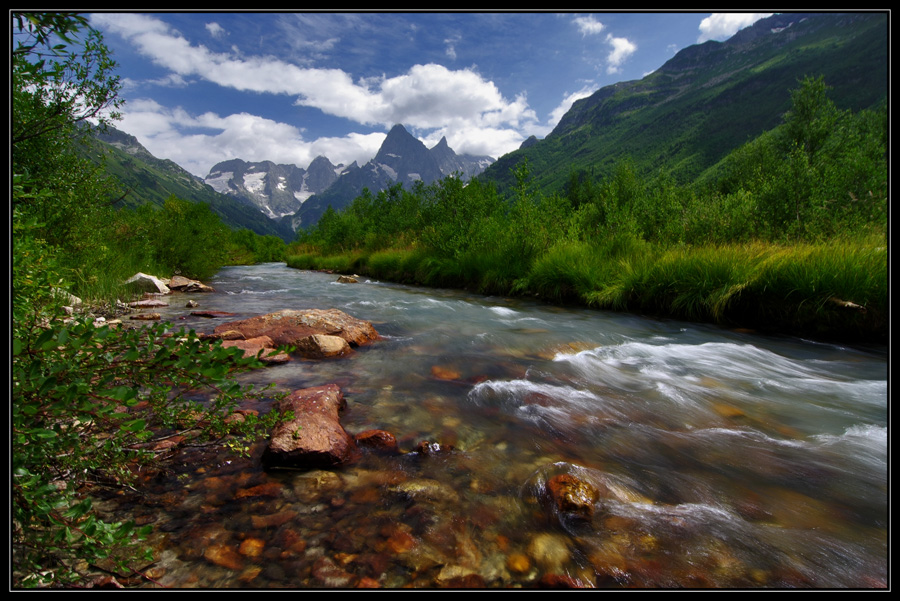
(96, 406)
(788, 233)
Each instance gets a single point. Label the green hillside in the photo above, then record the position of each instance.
(146, 179)
(709, 99)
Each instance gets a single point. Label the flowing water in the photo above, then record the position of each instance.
(723, 459)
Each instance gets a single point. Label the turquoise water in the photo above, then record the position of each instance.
(724, 459)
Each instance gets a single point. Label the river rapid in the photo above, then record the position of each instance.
(724, 459)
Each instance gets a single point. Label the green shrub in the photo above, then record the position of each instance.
(87, 404)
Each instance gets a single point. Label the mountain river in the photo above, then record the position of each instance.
(723, 458)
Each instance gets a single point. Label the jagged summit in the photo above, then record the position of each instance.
(302, 195)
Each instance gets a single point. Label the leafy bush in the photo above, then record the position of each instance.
(88, 404)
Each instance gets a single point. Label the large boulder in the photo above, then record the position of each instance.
(289, 326)
(147, 283)
(314, 438)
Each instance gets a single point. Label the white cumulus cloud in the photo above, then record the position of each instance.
(721, 26)
(428, 96)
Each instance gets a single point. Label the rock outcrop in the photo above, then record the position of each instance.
(291, 327)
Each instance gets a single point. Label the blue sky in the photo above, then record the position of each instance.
(203, 87)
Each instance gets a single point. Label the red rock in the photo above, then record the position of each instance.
(269, 489)
(223, 555)
(572, 496)
(329, 574)
(272, 520)
(366, 582)
(445, 373)
(315, 437)
(252, 347)
(287, 327)
(378, 440)
(252, 547)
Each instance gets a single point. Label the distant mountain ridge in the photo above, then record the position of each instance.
(686, 116)
(276, 190)
(147, 179)
(298, 196)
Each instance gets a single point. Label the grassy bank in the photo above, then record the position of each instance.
(836, 290)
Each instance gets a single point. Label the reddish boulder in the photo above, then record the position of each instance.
(314, 438)
(288, 327)
(378, 440)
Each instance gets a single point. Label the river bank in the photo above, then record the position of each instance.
(830, 292)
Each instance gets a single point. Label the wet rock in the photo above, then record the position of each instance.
(254, 346)
(314, 438)
(347, 279)
(211, 314)
(269, 489)
(250, 573)
(251, 547)
(445, 373)
(426, 489)
(191, 304)
(288, 327)
(223, 555)
(321, 346)
(572, 497)
(550, 551)
(459, 577)
(147, 316)
(378, 440)
(312, 485)
(183, 284)
(518, 563)
(148, 302)
(227, 335)
(328, 574)
(272, 520)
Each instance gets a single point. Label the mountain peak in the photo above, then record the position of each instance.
(399, 143)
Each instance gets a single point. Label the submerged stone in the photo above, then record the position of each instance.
(572, 496)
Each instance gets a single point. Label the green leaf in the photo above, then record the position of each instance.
(42, 433)
(135, 425)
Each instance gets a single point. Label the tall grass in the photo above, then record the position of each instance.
(839, 287)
